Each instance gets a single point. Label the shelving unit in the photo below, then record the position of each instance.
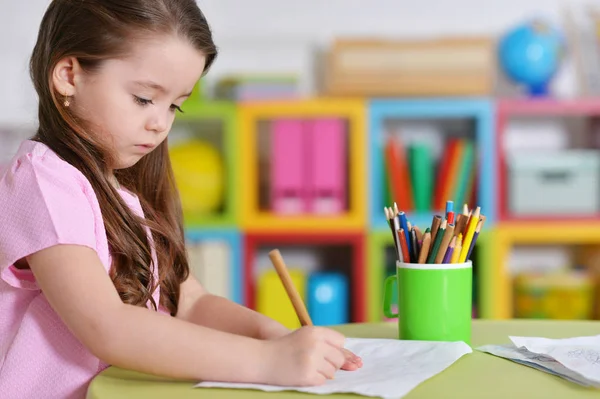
(360, 235)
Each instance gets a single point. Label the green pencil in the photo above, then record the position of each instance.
(438, 242)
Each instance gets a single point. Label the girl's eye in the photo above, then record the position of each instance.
(141, 101)
(176, 108)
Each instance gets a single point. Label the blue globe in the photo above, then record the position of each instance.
(530, 54)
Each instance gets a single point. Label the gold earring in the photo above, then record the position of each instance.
(67, 102)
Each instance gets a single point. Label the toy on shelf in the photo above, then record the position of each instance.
(200, 176)
(554, 296)
(531, 54)
(214, 124)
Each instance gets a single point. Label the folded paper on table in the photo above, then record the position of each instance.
(391, 368)
(575, 359)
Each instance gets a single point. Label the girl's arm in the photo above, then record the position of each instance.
(199, 307)
(80, 291)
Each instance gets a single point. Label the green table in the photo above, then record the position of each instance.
(476, 375)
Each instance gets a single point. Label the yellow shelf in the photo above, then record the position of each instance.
(506, 235)
(354, 111)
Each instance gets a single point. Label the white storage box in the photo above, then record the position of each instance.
(554, 183)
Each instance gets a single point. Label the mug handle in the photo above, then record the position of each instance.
(387, 297)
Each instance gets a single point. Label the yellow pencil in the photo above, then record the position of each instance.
(469, 235)
(457, 249)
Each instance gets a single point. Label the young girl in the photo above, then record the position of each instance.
(93, 269)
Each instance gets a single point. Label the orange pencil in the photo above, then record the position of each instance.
(405, 254)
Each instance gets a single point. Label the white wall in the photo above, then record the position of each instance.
(276, 35)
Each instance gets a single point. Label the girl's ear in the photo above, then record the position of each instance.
(66, 74)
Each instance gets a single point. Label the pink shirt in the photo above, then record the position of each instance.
(45, 201)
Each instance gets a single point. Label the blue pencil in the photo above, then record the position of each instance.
(449, 207)
(404, 226)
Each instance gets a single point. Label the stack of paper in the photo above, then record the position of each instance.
(574, 359)
(391, 368)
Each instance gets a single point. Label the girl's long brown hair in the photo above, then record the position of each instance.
(93, 31)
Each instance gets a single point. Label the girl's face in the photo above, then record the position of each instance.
(132, 101)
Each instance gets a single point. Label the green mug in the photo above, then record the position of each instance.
(434, 301)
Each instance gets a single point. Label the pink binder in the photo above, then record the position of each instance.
(328, 165)
(288, 167)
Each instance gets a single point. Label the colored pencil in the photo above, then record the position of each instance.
(425, 247)
(475, 235)
(419, 233)
(290, 289)
(435, 225)
(449, 207)
(404, 226)
(461, 222)
(457, 249)
(449, 251)
(414, 246)
(448, 234)
(402, 236)
(472, 225)
(437, 242)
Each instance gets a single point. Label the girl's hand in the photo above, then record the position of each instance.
(277, 330)
(352, 362)
(306, 357)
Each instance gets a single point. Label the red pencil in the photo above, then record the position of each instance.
(402, 237)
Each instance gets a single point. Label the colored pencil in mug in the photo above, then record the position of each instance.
(472, 225)
(461, 222)
(477, 230)
(414, 246)
(404, 226)
(419, 233)
(425, 247)
(437, 242)
(449, 251)
(449, 207)
(402, 237)
(448, 235)
(457, 248)
(435, 225)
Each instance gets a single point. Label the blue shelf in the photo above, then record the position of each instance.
(481, 110)
(234, 239)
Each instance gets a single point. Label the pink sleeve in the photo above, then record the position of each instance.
(42, 203)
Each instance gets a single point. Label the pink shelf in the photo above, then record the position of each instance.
(529, 106)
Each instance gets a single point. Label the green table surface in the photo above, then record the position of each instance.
(475, 375)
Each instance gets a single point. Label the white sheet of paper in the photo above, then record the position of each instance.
(391, 368)
(538, 361)
(580, 354)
